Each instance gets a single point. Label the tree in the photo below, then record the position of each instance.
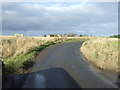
(70, 35)
(81, 35)
(115, 36)
(44, 35)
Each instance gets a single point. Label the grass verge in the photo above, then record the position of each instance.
(17, 61)
(20, 63)
(103, 53)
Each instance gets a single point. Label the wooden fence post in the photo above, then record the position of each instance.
(2, 75)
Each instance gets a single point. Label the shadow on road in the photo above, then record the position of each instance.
(50, 78)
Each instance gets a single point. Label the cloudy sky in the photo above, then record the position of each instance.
(37, 19)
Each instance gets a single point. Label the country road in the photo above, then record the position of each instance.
(60, 66)
(68, 57)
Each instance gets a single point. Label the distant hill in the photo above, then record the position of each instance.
(115, 36)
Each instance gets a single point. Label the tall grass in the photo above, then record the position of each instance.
(102, 52)
(18, 45)
(18, 53)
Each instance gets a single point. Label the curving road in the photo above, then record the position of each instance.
(68, 57)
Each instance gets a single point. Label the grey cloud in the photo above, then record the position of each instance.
(37, 17)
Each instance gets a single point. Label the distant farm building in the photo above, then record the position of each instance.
(52, 35)
(18, 35)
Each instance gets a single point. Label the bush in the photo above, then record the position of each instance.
(12, 67)
(115, 36)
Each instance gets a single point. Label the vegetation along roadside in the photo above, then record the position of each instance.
(103, 53)
(18, 53)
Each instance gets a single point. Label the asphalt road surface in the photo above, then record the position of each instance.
(68, 57)
(50, 78)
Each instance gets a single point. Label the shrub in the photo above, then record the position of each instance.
(11, 67)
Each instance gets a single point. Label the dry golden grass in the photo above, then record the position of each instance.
(14, 46)
(102, 52)
(18, 53)
(18, 45)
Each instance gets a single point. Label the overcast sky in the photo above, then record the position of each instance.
(37, 19)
